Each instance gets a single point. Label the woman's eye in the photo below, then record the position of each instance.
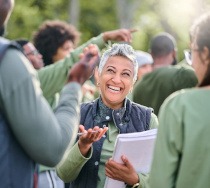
(126, 74)
(110, 70)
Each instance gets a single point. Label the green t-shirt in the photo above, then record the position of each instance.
(156, 86)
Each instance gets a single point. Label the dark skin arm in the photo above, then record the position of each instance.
(83, 69)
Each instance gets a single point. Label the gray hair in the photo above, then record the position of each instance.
(121, 49)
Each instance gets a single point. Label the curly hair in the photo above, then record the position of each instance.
(51, 35)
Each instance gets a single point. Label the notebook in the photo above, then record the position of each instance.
(138, 148)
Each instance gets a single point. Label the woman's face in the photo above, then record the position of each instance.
(63, 51)
(116, 81)
(200, 61)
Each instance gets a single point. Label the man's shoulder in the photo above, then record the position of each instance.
(6, 44)
(15, 65)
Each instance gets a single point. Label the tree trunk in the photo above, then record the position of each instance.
(126, 11)
(74, 12)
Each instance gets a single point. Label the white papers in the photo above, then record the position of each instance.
(138, 148)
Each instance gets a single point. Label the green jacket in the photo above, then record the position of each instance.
(181, 156)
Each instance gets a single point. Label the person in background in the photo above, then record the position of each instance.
(55, 39)
(165, 78)
(31, 53)
(163, 50)
(29, 130)
(181, 155)
(145, 63)
(164, 82)
(103, 119)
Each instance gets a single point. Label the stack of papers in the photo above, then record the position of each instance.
(138, 148)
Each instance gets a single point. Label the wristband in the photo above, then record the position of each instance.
(135, 185)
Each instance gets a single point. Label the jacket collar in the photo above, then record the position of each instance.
(102, 113)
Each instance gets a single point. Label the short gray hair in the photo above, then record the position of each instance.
(120, 49)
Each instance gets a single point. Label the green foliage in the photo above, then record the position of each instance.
(23, 22)
(28, 15)
(97, 17)
(151, 17)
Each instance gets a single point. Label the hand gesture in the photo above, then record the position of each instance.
(124, 35)
(83, 69)
(121, 172)
(89, 136)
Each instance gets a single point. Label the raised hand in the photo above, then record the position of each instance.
(121, 172)
(83, 69)
(124, 35)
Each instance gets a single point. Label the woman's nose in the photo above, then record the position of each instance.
(116, 79)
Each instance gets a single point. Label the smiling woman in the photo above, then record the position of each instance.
(116, 75)
(88, 163)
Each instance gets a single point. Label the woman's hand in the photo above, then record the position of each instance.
(89, 136)
(121, 172)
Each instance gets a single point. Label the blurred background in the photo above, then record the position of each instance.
(92, 17)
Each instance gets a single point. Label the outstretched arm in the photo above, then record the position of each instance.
(74, 159)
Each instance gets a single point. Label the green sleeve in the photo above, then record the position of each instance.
(143, 180)
(95, 40)
(168, 145)
(53, 77)
(72, 163)
(153, 121)
(43, 135)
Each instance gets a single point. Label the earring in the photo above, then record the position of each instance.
(98, 84)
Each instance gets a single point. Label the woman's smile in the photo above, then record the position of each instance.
(114, 89)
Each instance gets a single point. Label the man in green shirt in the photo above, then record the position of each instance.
(165, 78)
(156, 86)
